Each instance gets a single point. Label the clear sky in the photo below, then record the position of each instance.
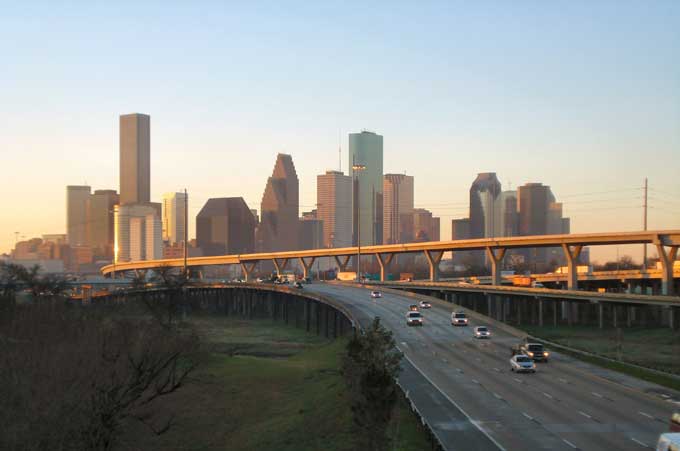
(581, 95)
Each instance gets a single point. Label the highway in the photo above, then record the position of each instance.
(566, 405)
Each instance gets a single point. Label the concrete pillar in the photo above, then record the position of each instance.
(433, 259)
(495, 256)
(247, 269)
(540, 312)
(384, 262)
(342, 261)
(571, 253)
(488, 305)
(519, 311)
(306, 266)
(600, 315)
(667, 259)
(674, 318)
(555, 306)
(280, 266)
(629, 316)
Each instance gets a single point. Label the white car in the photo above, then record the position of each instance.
(376, 294)
(668, 442)
(482, 332)
(424, 304)
(459, 319)
(522, 364)
(414, 319)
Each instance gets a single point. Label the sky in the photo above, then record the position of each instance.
(583, 96)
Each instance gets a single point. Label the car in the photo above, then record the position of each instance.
(668, 442)
(298, 285)
(414, 319)
(521, 363)
(413, 308)
(537, 285)
(531, 349)
(459, 319)
(424, 304)
(376, 294)
(675, 422)
(482, 332)
(259, 280)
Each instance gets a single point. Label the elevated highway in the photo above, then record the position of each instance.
(666, 242)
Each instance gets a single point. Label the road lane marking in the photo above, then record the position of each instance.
(518, 380)
(597, 394)
(639, 442)
(646, 415)
(475, 381)
(528, 416)
(548, 395)
(498, 370)
(585, 414)
(569, 443)
(563, 380)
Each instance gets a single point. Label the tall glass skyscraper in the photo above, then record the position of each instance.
(366, 148)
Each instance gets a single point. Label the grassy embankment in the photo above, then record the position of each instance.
(657, 348)
(266, 386)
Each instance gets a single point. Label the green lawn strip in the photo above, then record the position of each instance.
(654, 348)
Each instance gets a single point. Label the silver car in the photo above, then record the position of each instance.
(482, 332)
(376, 294)
(522, 364)
(414, 319)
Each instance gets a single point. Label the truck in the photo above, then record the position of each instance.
(522, 281)
(534, 350)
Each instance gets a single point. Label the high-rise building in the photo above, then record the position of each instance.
(334, 201)
(397, 208)
(135, 154)
(278, 229)
(225, 226)
(460, 229)
(138, 231)
(366, 149)
(508, 224)
(76, 214)
(174, 210)
(484, 206)
(311, 231)
(100, 229)
(425, 226)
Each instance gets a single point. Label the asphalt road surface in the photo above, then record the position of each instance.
(563, 406)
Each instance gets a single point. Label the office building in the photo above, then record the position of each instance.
(174, 211)
(278, 229)
(76, 214)
(100, 229)
(460, 229)
(311, 231)
(366, 149)
(138, 232)
(135, 154)
(334, 200)
(225, 226)
(397, 208)
(425, 226)
(484, 206)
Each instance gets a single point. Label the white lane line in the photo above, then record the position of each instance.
(597, 394)
(474, 422)
(548, 395)
(644, 445)
(404, 343)
(498, 370)
(585, 414)
(563, 380)
(497, 395)
(475, 381)
(518, 380)
(646, 415)
(528, 416)
(569, 443)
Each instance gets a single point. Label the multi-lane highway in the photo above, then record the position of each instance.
(566, 405)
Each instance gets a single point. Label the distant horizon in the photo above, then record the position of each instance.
(580, 97)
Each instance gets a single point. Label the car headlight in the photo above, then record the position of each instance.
(531, 354)
(546, 353)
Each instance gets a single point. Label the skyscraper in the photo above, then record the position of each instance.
(278, 230)
(484, 207)
(460, 229)
(173, 217)
(425, 226)
(100, 225)
(508, 225)
(311, 231)
(225, 226)
(366, 149)
(397, 208)
(334, 201)
(135, 154)
(138, 232)
(77, 197)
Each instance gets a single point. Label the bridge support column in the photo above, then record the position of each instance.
(495, 256)
(667, 259)
(247, 269)
(280, 266)
(540, 312)
(383, 261)
(433, 259)
(571, 253)
(306, 266)
(488, 306)
(674, 318)
(342, 261)
(600, 315)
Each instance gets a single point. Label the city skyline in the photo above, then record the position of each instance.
(504, 101)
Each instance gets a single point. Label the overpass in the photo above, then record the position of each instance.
(665, 241)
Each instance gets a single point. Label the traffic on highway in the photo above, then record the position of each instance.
(504, 387)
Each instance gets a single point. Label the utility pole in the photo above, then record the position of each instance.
(186, 232)
(644, 246)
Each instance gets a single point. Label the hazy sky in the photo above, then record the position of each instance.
(581, 95)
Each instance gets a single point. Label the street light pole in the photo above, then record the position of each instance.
(356, 168)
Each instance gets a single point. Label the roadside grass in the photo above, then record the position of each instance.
(262, 385)
(657, 348)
